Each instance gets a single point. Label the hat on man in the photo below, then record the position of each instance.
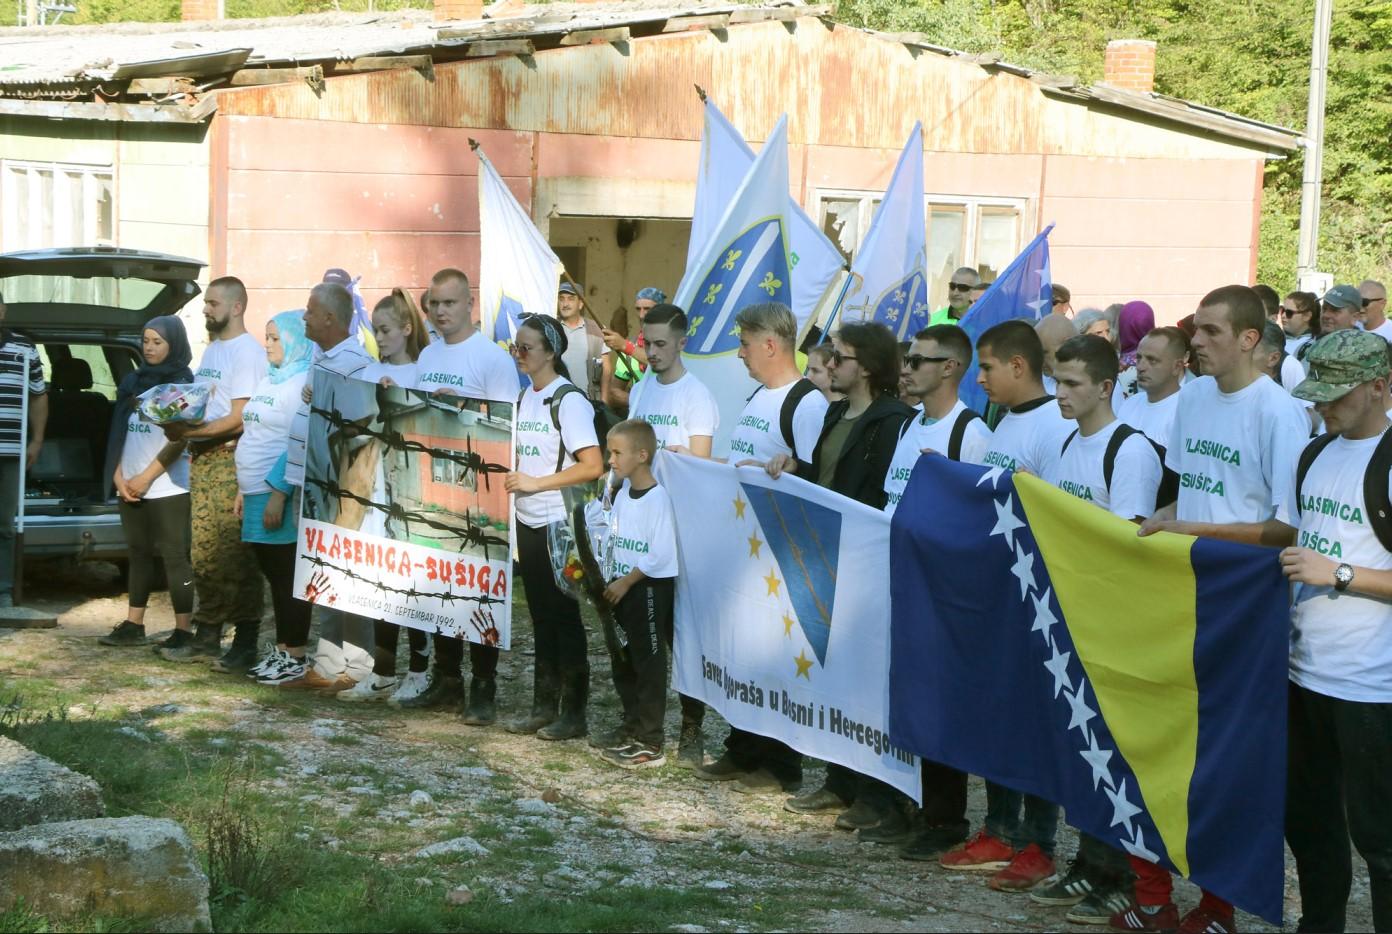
(1343, 296)
(1340, 362)
(339, 276)
(568, 288)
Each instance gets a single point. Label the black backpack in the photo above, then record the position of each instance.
(1166, 493)
(1375, 498)
(554, 404)
(955, 439)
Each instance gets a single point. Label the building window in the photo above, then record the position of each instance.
(983, 233)
(53, 204)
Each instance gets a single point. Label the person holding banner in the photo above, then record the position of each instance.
(556, 448)
(265, 500)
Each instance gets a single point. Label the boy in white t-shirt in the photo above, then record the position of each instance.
(1340, 709)
(640, 568)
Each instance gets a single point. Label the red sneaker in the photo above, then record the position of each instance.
(1030, 867)
(982, 853)
(1204, 920)
(1135, 918)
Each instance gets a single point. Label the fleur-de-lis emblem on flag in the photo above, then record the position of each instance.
(695, 324)
(715, 289)
(770, 284)
(899, 296)
(731, 258)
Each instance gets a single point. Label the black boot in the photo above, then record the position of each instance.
(575, 696)
(205, 646)
(545, 696)
(481, 710)
(444, 691)
(241, 655)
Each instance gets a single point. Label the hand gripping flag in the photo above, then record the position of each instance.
(745, 262)
(891, 282)
(813, 260)
(518, 272)
(782, 616)
(1138, 682)
(1024, 290)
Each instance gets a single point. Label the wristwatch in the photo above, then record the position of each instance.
(1343, 576)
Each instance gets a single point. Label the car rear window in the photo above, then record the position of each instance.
(130, 294)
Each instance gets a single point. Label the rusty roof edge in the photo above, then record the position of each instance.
(113, 112)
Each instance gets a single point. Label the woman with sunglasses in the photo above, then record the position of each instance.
(556, 448)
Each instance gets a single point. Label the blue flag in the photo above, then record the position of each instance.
(1143, 691)
(1024, 290)
(891, 281)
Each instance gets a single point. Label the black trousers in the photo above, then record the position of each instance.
(1106, 865)
(640, 669)
(751, 751)
(449, 658)
(693, 712)
(385, 636)
(277, 564)
(944, 796)
(159, 526)
(1339, 786)
(558, 632)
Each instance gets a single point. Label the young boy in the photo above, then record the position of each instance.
(640, 565)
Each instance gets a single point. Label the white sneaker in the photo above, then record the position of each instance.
(371, 688)
(413, 685)
(285, 668)
(269, 658)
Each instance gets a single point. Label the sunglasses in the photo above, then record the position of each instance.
(916, 360)
(1290, 312)
(1369, 301)
(959, 287)
(838, 358)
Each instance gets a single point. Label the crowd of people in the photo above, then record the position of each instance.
(1203, 428)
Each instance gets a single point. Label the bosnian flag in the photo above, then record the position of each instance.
(518, 272)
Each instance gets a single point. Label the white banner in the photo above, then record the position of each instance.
(782, 615)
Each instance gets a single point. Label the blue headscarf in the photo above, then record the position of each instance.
(653, 294)
(172, 369)
(299, 352)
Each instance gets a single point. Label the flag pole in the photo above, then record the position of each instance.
(17, 568)
(836, 309)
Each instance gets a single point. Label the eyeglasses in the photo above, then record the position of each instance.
(838, 358)
(916, 360)
(1369, 301)
(521, 350)
(959, 287)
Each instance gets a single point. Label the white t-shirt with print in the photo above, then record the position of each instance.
(758, 433)
(1341, 643)
(266, 422)
(402, 374)
(233, 367)
(642, 534)
(1156, 419)
(1029, 437)
(1135, 474)
(538, 445)
(1232, 451)
(143, 443)
(676, 411)
(934, 435)
(475, 368)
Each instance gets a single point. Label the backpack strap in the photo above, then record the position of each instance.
(1307, 459)
(1069, 440)
(959, 433)
(1375, 493)
(1168, 490)
(790, 403)
(1114, 443)
(554, 403)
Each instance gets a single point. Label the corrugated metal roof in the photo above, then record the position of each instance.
(89, 72)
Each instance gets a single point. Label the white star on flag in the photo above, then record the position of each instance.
(1122, 808)
(1058, 667)
(1044, 618)
(1023, 568)
(1006, 521)
(1099, 759)
(1081, 712)
(993, 475)
(1138, 848)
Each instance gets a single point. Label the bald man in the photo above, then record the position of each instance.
(1053, 330)
(959, 296)
(1375, 309)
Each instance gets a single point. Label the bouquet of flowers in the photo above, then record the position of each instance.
(168, 403)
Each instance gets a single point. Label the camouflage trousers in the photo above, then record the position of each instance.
(225, 573)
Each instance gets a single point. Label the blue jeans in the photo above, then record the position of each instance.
(1040, 823)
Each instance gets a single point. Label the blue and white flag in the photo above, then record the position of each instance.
(518, 272)
(782, 613)
(745, 262)
(726, 158)
(890, 269)
(1024, 290)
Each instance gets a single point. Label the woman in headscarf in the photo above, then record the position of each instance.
(151, 477)
(265, 502)
(1136, 320)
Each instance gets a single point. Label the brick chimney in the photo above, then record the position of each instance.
(197, 10)
(1130, 65)
(458, 9)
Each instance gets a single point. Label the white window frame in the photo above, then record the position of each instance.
(971, 205)
(14, 172)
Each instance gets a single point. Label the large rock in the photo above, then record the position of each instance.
(36, 790)
(128, 867)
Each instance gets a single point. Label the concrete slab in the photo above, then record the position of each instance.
(25, 617)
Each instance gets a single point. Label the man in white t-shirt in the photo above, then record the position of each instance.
(1375, 321)
(784, 416)
(1235, 440)
(225, 574)
(1030, 436)
(463, 364)
(1162, 360)
(679, 407)
(1340, 707)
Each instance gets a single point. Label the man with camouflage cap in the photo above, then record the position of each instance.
(1340, 709)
